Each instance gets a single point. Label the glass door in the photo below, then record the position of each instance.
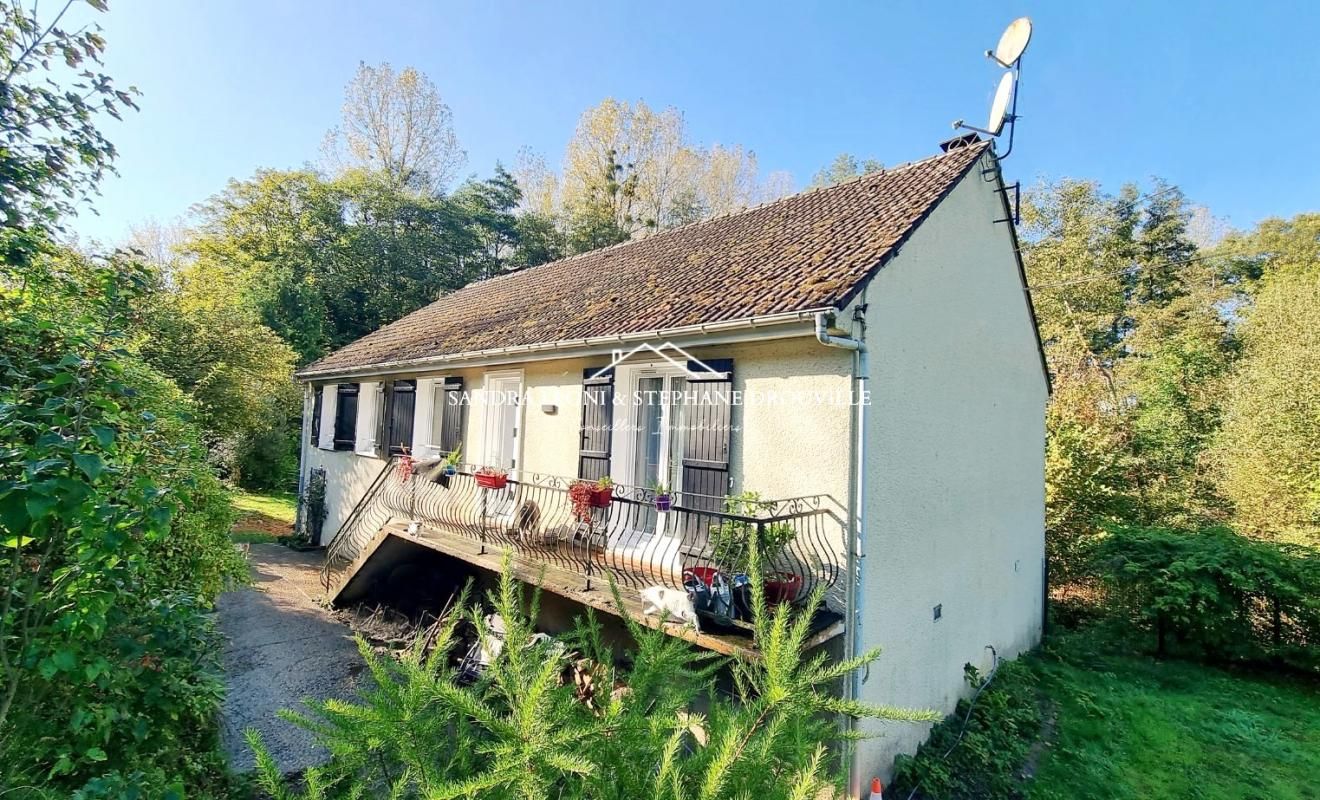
(657, 441)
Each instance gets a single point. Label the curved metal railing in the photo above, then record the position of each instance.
(630, 539)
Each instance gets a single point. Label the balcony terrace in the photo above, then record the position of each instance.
(576, 552)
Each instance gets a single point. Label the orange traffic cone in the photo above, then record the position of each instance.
(875, 789)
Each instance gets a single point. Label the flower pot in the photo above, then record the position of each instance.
(663, 502)
(601, 498)
(450, 469)
(489, 481)
(781, 587)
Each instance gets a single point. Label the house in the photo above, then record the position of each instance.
(863, 358)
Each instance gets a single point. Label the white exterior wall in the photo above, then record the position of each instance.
(780, 451)
(955, 465)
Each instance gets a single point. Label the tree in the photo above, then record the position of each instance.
(1138, 348)
(396, 124)
(845, 166)
(1268, 453)
(53, 154)
(489, 206)
(113, 532)
(629, 169)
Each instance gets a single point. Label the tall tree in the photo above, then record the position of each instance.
(1138, 348)
(396, 124)
(630, 169)
(1268, 454)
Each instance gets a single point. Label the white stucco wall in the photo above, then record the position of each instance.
(797, 446)
(955, 472)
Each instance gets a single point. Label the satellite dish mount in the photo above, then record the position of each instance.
(1003, 109)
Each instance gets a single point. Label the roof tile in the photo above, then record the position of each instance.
(807, 251)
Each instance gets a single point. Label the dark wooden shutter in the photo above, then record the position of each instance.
(401, 401)
(708, 435)
(597, 419)
(346, 406)
(318, 395)
(447, 418)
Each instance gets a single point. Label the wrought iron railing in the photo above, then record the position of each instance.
(631, 539)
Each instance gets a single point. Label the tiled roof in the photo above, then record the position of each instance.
(807, 251)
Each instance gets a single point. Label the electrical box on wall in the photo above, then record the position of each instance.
(937, 612)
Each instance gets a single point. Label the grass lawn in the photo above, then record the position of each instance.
(1130, 726)
(263, 517)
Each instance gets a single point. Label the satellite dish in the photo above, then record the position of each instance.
(1013, 42)
(999, 108)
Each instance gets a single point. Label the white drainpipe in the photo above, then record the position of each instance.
(857, 516)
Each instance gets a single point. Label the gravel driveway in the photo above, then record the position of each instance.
(281, 647)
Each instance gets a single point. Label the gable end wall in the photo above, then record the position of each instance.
(955, 464)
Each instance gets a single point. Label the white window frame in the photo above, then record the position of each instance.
(623, 458)
(654, 548)
(488, 421)
(371, 397)
(329, 404)
(424, 417)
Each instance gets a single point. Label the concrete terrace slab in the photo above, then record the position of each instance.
(281, 647)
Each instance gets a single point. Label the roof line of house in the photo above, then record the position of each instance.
(769, 326)
(715, 218)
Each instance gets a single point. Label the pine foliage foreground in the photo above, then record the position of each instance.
(657, 728)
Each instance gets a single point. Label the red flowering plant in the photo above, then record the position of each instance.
(579, 494)
(586, 495)
(407, 465)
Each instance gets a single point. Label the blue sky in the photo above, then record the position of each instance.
(1220, 98)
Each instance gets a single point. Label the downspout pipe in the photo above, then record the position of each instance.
(857, 517)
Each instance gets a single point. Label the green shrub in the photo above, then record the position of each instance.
(1216, 594)
(113, 545)
(520, 731)
(266, 458)
(978, 751)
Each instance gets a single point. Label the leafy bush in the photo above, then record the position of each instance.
(267, 458)
(522, 731)
(978, 751)
(1216, 594)
(112, 544)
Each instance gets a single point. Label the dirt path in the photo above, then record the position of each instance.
(280, 648)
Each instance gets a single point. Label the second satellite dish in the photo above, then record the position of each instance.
(999, 108)
(1013, 42)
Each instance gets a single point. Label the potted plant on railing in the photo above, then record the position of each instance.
(446, 469)
(732, 541)
(663, 499)
(450, 465)
(586, 495)
(602, 494)
(491, 478)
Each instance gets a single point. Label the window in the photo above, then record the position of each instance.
(346, 406)
(657, 447)
(400, 403)
(317, 394)
(447, 415)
